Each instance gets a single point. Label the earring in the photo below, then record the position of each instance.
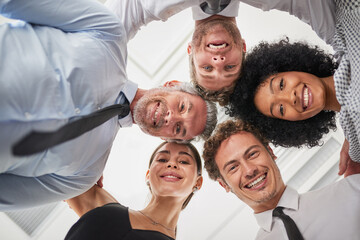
(147, 183)
(195, 189)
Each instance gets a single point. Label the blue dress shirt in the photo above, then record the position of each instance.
(64, 59)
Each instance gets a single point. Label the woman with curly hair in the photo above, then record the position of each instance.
(292, 91)
(261, 65)
(288, 91)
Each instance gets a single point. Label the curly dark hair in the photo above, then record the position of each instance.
(224, 131)
(267, 59)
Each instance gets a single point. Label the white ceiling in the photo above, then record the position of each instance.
(158, 54)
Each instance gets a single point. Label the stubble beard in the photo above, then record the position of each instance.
(207, 27)
(140, 110)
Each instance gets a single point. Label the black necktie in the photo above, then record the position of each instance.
(214, 6)
(290, 226)
(36, 142)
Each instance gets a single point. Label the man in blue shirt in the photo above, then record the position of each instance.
(67, 59)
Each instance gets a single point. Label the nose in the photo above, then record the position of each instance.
(172, 164)
(293, 97)
(218, 59)
(170, 117)
(289, 97)
(249, 170)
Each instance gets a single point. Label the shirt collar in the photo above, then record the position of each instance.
(289, 200)
(129, 91)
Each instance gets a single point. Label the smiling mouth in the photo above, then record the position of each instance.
(217, 46)
(155, 119)
(305, 97)
(171, 177)
(257, 182)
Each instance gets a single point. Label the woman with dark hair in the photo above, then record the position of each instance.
(292, 91)
(260, 67)
(174, 175)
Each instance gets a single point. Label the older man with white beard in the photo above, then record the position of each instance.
(67, 61)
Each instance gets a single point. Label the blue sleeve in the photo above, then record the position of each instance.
(67, 15)
(18, 192)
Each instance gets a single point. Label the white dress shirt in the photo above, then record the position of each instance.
(319, 14)
(330, 213)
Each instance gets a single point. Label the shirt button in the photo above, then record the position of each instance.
(98, 108)
(27, 115)
(77, 110)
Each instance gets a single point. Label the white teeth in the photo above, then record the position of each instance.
(217, 46)
(155, 116)
(170, 176)
(250, 185)
(306, 97)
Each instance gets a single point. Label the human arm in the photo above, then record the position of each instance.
(344, 157)
(67, 15)
(136, 13)
(319, 14)
(352, 168)
(93, 198)
(18, 192)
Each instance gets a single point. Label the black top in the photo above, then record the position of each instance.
(110, 221)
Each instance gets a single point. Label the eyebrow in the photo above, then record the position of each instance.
(271, 109)
(206, 76)
(163, 151)
(185, 153)
(168, 152)
(227, 76)
(245, 153)
(250, 148)
(229, 163)
(188, 110)
(272, 92)
(184, 132)
(270, 85)
(231, 75)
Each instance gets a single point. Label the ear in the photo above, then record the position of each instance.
(199, 182)
(244, 45)
(147, 177)
(271, 152)
(172, 83)
(223, 184)
(189, 49)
